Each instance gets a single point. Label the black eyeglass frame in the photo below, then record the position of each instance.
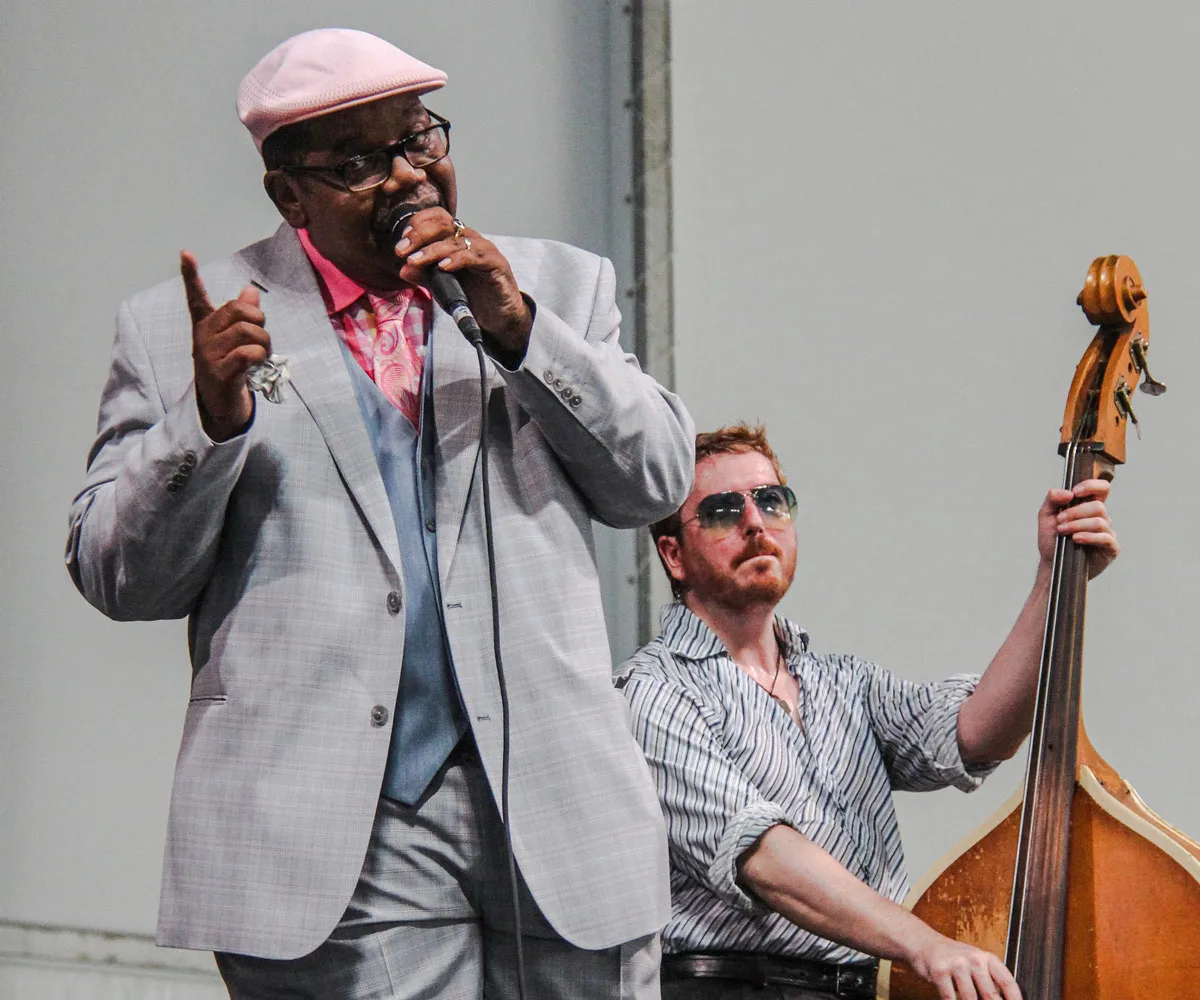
(392, 150)
(702, 513)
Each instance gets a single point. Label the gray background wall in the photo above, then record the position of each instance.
(911, 192)
(883, 213)
(120, 147)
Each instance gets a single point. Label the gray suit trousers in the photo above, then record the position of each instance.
(432, 917)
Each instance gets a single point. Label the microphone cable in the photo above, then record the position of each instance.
(510, 858)
(448, 294)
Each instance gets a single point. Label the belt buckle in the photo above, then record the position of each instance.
(852, 982)
(760, 973)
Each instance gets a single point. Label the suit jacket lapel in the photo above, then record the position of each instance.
(456, 415)
(300, 331)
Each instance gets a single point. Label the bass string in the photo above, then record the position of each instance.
(1022, 873)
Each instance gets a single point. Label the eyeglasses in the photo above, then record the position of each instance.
(362, 173)
(723, 511)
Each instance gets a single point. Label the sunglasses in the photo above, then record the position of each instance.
(725, 510)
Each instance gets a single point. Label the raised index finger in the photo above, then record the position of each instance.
(193, 287)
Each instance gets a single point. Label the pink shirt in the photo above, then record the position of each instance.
(386, 334)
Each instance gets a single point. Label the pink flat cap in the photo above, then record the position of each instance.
(320, 71)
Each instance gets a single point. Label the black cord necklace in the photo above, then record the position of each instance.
(780, 701)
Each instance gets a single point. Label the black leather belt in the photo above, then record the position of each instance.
(856, 981)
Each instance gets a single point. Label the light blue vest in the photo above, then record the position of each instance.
(429, 719)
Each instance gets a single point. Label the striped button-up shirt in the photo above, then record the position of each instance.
(729, 763)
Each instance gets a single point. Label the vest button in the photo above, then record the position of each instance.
(394, 603)
(379, 716)
(430, 524)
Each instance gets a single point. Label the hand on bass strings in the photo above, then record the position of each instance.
(1080, 514)
(961, 971)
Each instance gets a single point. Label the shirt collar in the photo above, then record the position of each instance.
(339, 291)
(686, 634)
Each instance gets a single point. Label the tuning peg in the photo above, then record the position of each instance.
(1151, 386)
(1123, 396)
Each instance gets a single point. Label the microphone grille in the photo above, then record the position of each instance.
(397, 219)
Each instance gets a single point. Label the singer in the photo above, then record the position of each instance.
(335, 829)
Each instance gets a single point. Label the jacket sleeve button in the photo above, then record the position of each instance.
(379, 716)
(394, 602)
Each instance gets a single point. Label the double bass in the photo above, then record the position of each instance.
(1084, 891)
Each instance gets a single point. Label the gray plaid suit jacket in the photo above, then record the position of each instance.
(279, 547)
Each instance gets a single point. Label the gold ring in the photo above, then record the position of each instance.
(467, 242)
(458, 228)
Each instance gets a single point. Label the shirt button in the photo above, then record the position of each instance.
(430, 524)
(548, 375)
(394, 603)
(379, 716)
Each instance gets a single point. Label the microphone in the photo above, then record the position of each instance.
(445, 288)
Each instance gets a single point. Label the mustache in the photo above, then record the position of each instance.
(759, 545)
(381, 221)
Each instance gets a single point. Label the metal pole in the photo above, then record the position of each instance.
(653, 273)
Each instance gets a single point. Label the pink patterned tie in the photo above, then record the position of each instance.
(399, 350)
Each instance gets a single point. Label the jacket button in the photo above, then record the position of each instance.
(575, 401)
(548, 375)
(379, 716)
(172, 486)
(189, 461)
(394, 603)
(559, 383)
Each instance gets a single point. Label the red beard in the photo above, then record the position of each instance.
(734, 590)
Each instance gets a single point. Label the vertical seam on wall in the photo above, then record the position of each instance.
(652, 228)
